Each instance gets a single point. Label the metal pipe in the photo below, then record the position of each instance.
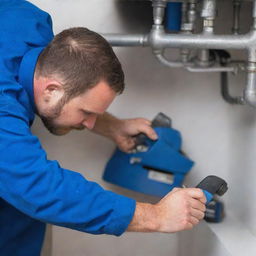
(203, 58)
(171, 64)
(127, 39)
(158, 39)
(250, 90)
(211, 69)
(236, 16)
(158, 11)
(225, 91)
(191, 66)
(208, 14)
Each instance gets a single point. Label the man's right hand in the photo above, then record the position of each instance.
(179, 210)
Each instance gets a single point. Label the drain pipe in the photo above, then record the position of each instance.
(250, 90)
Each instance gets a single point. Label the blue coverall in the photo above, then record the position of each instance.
(33, 189)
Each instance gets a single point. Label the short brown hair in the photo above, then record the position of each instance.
(81, 58)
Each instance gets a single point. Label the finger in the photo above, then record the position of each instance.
(197, 214)
(194, 221)
(126, 145)
(189, 225)
(196, 193)
(149, 131)
(145, 121)
(197, 204)
(203, 199)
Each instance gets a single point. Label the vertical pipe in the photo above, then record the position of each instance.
(188, 25)
(208, 14)
(250, 90)
(203, 58)
(236, 16)
(158, 11)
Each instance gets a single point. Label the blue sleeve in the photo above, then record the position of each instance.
(43, 190)
(23, 27)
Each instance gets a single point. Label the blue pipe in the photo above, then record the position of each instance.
(173, 16)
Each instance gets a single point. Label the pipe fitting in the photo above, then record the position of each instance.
(158, 11)
(250, 90)
(155, 35)
(209, 9)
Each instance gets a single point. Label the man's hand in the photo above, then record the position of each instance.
(126, 130)
(122, 132)
(179, 210)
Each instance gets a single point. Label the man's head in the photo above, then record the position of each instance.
(77, 77)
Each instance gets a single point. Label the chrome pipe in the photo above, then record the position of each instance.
(236, 16)
(211, 69)
(123, 40)
(168, 63)
(159, 39)
(250, 90)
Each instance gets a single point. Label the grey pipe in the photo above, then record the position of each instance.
(211, 69)
(236, 16)
(190, 66)
(250, 90)
(171, 64)
(124, 40)
(159, 39)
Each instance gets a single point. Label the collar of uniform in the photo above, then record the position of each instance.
(26, 73)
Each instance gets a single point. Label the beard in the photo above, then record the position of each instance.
(49, 120)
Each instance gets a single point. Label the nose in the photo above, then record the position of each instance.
(90, 122)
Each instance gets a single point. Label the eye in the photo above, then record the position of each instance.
(86, 113)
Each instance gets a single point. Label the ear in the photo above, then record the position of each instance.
(53, 91)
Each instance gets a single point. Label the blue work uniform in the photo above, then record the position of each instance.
(33, 189)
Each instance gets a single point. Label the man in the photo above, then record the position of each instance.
(69, 82)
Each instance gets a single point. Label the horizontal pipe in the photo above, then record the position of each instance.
(203, 41)
(127, 39)
(159, 39)
(190, 66)
(211, 69)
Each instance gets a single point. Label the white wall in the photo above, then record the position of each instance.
(219, 137)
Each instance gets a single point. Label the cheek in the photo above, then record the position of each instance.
(69, 118)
